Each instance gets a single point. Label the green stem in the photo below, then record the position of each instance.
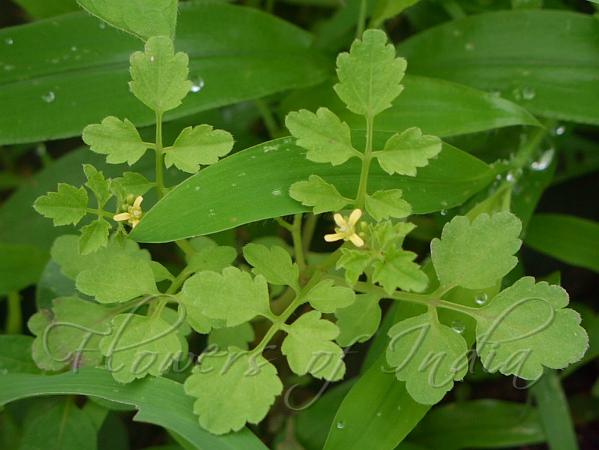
(185, 246)
(366, 160)
(14, 320)
(526, 152)
(159, 156)
(361, 19)
(284, 224)
(100, 212)
(268, 118)
(308, 232)
(279, 322)
(298, 246)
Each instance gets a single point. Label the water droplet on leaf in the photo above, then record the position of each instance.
(9, 41)
(544, 160)
(528, 93)
(458, 326)
(481, 299)
(340, 425)
(197, 84)
(49, 97)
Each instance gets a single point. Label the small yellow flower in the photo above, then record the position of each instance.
(346, 229)
(133, 214)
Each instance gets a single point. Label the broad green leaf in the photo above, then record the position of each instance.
(192, 309)
(319, 194)
(570, 239)
(66, 206)
(233, 296)
(94, 236)
(211, 201)
(370, 74)
(428, 356)
(159, 75)
(272, 263)
(58, 425)
(97, 183)
(232, 389)
(148, 396)
(438, 107)
(359, 321)
(386, 9)
(499, 424)
(116, 275)
(377, 412)
(327, 298)
(142, 18)
(327, 139)
(239, 336)
(195, 146)
(527, 327)
(476, 254)
(214, 258)
(52, 284)
(276, 59)
(20, 266)
(407, 151)
(550, 74)
(554, 412)
(69, 333)
(397, 270)
(118, 139)
(309, 347)
(390, 203)
(41, 9)
(15, 354)
(140, 346)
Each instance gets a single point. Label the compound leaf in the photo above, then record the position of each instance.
(232, 389)
(327, 298)
(272, 263)
(94, 236)
(476, 254)
(97, 183)
(428, 356)
(309, 347)
(118, 139)
(397, 269)
(239, 336)
(405, 152)
(324, 135)
(233, 296)
(527, 326)
(69, 333)
(319, 194)
(196, 146)
(384, 204)
(370, 74)
(66, 206)
(359, 321)
(159, 76)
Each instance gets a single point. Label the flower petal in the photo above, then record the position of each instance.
(355, 216)
(137, 202)
(339, 220)
(333, 237)
(356, 240)
(121, 217)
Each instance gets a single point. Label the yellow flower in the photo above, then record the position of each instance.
(133, 214)
(346, 229)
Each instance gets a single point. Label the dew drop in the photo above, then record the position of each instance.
(458, 326)
(379, 414)
(49, 97)
(277, 192)
(74, 48)
(528, 93)
(559, 130)
(456, 32)
(197, 188)
(102, 26)
(340, 425)
(510, 177)
(544, 160)
(211, 212)
(9, 67)
(481, 299)
(443, 212)
(197, 84)
(9, 41)
(233, 184)
(152, 58)
(469, 46)
(241, 174)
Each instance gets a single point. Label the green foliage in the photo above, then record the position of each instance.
(159, 75)
(133, 312)
(370, 75)
(476, 254)
(527, 327)
(231, 389)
